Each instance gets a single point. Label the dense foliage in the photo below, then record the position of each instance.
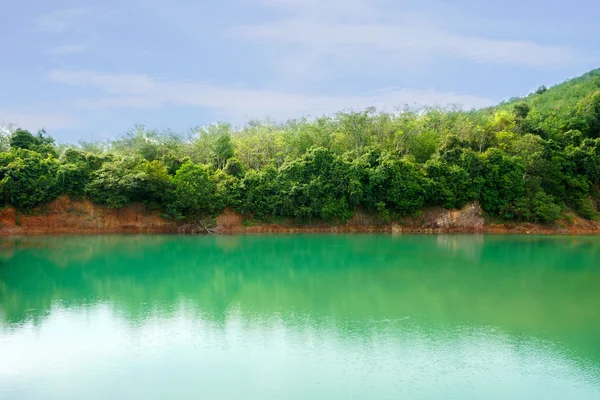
(528, 159)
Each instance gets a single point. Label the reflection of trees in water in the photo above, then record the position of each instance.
(543, 286)
(468, 246)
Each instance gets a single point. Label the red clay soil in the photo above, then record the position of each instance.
(436, 220)
(66, 216)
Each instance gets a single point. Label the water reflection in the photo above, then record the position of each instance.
(468, 316)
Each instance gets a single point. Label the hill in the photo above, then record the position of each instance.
(535, 158)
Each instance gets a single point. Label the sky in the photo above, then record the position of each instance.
(90, 70)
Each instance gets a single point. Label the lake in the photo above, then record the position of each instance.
(300, 317)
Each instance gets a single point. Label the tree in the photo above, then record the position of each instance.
(594, 115)
(395, 187)
(130, 179)
(544, 208)
(541, 90)
(449, 185)
(525, 159)
(40, 143)
(74, 171)
(6, 132)
(234, 168)
(521, 110)
(22, 139)
(317, 186)
(262, 193)
(28, 179)
(502, 193)
(356, 125)
(195, 193)
(222, 150)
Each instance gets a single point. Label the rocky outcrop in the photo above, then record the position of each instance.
(439, 220)
(469, 217)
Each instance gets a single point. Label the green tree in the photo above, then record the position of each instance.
(317, 186)
(40, 143)
(195, 192)
(28, 179)
(130, 179)
(502, 193)
(234, 168)
(6, 132)
(262, 193)
(450, 185)
(222, 150)
(395, 187)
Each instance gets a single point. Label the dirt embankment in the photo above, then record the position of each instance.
(66, 216)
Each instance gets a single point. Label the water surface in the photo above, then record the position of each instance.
(300, 317)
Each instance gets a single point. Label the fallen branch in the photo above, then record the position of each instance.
(199, 226)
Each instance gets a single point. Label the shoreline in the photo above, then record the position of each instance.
(65, 216)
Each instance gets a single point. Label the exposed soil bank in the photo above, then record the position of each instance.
(66, 216)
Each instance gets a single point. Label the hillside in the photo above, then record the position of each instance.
(573, 104)
(532, 159)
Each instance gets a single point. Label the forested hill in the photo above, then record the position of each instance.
(529, 159)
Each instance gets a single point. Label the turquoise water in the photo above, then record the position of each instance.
(300, 317)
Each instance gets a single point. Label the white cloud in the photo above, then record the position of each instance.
(400, 40)
(61, 20)
(35, 120)
(143, 91)
(111, 83)
(339, 8)
(67, 49)
(397, 33)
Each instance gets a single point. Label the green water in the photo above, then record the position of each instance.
(300, 317)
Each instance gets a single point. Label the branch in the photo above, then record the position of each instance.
(198, 226)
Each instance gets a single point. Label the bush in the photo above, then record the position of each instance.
(395, 185)
(28, 179)
(544, 208)
(195, 192)
(131, 179)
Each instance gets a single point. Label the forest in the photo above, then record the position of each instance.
(535, 158)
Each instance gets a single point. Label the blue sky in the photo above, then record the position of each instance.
(91, 70)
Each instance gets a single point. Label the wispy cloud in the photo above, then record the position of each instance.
(67, 49)
(36, 120)
(398, 39)
(144, 91)
(366, 29)
(327, 8)
(61, 20)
